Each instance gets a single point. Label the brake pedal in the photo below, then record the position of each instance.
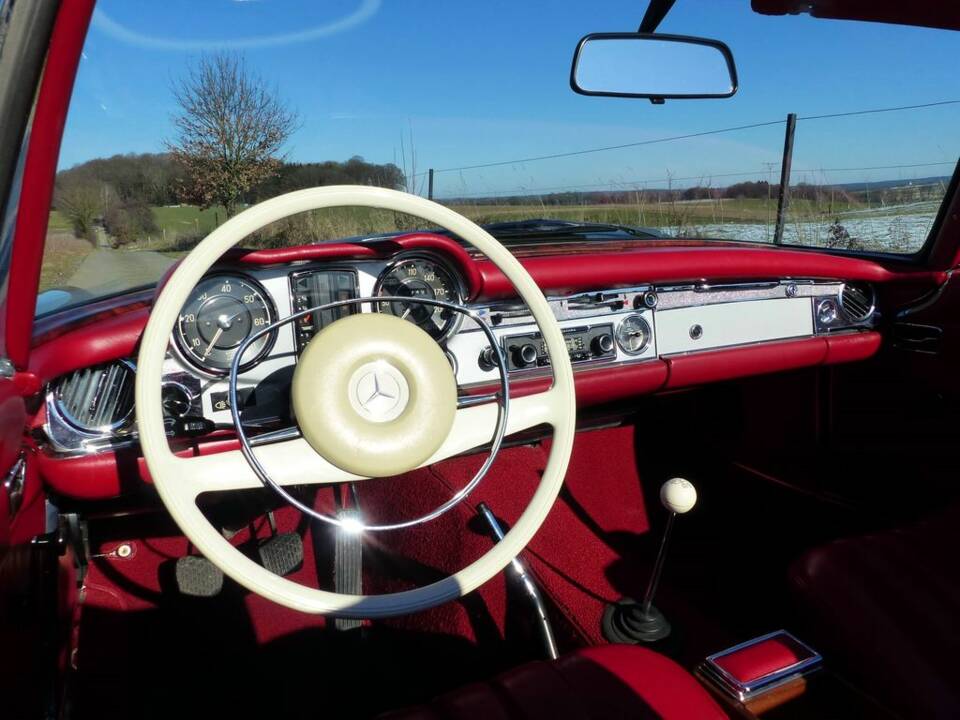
(348, 564)
(198, 577)
(282, 553)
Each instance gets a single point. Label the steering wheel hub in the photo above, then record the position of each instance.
(374, 395)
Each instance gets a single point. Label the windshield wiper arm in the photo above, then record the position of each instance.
(556, 227)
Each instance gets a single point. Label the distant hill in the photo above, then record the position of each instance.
(153, 178)
(901, 183)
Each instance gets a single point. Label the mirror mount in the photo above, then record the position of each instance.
(656, 11)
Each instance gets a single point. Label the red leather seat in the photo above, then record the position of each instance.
(887, 607)
(613, 681)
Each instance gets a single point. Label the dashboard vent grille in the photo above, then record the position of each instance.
(98, 398)
(857, 301)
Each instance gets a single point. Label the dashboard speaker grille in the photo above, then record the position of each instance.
(857, 301)
(98, 398)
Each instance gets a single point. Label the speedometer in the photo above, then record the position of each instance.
(422, 277)
(222, 312)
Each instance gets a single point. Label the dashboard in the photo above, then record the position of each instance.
(624, 339)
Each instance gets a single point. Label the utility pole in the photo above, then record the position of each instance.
(783, 198)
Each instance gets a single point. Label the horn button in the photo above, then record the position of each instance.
(374, 395)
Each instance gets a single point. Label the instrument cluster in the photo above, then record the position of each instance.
(227, 307)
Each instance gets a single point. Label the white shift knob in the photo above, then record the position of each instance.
(678, 495)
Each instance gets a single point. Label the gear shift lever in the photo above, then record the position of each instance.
(629, 621)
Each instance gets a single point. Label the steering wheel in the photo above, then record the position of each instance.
(344, 438)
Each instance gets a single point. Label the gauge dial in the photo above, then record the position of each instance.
(222, 312)
(422, 277)
(633, 334)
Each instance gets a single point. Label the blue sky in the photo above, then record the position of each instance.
(487, 81)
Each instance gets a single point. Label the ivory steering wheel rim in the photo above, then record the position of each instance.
(180, 480)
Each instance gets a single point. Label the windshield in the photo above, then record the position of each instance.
(185, 113)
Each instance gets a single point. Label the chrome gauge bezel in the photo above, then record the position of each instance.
(648, 334)
(268, 302)
(455, 275)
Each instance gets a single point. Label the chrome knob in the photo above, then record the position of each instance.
(525, 355)
(603, 344)
(487, 359)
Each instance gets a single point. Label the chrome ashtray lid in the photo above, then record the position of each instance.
(760, 665)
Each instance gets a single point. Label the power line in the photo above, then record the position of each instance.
(611, 147)
(880, 110)
(688, 136)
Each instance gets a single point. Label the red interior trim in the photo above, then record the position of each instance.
(851, 348)
(107, 339)
(704, 367)
(929, 13)
(756, 661)
(372, 249)
(103, 475)
(657, 265)
(731, 363)
(43, 150)
(596, 386)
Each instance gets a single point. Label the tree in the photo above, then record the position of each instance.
(82, 200)
(230, 128)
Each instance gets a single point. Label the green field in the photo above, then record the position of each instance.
(179, 228)
(188, 219)
(668, 215)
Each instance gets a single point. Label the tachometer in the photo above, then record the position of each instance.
(422, 277)
(222, 312)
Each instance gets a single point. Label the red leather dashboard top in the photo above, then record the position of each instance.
(684, 264)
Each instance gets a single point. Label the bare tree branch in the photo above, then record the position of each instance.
(229, 131)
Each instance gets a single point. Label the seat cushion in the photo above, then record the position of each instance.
(612, 681)
(887, 606)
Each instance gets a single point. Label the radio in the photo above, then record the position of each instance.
(583, 343)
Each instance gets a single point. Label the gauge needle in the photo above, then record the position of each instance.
(216, 336)
(405, 314)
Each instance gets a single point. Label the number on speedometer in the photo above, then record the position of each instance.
(421, 277)
(222, 312)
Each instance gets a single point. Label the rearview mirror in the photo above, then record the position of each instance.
(652, 66)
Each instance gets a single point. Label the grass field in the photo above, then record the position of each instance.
(899, 228)
(62, 255)
(187, 219)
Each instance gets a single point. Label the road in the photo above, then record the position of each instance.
(108, 271)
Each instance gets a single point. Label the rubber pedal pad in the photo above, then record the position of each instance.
(198, 577)
(282, 554)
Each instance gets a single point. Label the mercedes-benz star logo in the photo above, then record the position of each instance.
(379, 397)
(378, 392)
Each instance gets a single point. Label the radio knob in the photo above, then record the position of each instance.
(524, 355)
(603, 344)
